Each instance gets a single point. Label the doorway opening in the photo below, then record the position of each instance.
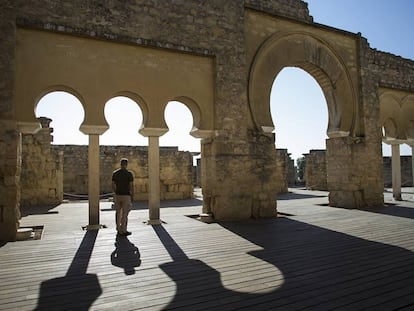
(300, 116)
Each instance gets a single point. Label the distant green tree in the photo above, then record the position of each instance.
(300, 163)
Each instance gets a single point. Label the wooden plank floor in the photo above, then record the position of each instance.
(313, 257)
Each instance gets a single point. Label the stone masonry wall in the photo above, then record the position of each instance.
(239, 162)
(287, 8)
(392, 71)
(10, 168)
(214, 28)
(42, 169)
(315, 170)
(176, 170)
(282, 159)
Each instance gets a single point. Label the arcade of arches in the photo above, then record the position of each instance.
(219, 59)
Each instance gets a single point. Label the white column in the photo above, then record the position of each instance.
(153, 135)
(93, 172)
(396, 171)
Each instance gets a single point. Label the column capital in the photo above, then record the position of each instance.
(197, 133)
(393, 141)
(337, 133)
(28, 127)
(93, 129)
(152, 131)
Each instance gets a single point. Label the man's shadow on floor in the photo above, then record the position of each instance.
(126, 255)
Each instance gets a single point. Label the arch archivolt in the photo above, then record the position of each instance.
(95, 71)
(314, 55)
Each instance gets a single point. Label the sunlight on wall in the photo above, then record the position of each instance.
(67, 114)
(299, 112)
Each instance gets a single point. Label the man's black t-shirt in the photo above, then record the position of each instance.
(122, 178)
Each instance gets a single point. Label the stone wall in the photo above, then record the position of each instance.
(42, 169)
(286, 170)
(10, 168)
(176, 170)
(391, 71)
(315, 170)
(286, 8)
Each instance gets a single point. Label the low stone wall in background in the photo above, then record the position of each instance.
(176, 170)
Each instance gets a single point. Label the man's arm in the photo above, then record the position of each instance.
(131, 186)
(113, 186)
(131, 190)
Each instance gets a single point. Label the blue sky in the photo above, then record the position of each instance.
(300, 117)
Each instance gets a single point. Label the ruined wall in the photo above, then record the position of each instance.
(287, 8)
(211, 28)
(316, 179)
(315, 170)
(286, 171)
(176, 170)
(239, 160)
(391, 71)
(10, 168)
(42, 169)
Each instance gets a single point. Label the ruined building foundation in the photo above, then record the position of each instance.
(219, 59)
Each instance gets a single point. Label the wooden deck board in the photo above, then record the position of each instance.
(317, 259)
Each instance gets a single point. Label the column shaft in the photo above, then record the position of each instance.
(396, 171)
(154, 180)
(412, 162)
(93, 179)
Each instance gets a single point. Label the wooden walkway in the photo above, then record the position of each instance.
(313, 257)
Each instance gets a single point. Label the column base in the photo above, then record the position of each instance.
(154, 222)
(93, 227)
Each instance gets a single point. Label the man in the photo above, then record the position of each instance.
(123, 188)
